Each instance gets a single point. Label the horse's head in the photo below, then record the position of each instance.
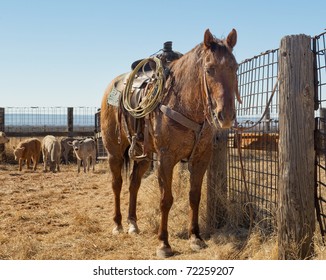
(220, 84)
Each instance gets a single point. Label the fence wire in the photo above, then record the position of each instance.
(47, 119)
(259, 145)
(319, 43)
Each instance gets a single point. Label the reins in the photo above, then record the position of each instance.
(236, 128)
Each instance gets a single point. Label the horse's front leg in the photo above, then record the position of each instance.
(138, 171)
(165, 173)
(197, 172)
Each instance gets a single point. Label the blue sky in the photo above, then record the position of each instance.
(64, 53)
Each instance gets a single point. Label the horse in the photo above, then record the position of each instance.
(199, 98)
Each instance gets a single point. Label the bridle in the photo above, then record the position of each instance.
(210, 116)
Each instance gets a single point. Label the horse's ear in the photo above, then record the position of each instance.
(208, 39)
(231, 40)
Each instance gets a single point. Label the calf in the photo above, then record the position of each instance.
(3, 138)
(85, 151)
(66, 148)
(28, 150)
(51, 150)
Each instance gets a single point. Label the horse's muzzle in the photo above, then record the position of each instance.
(226, 119)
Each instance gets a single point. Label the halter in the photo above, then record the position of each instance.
(209, 113)
(210, 116)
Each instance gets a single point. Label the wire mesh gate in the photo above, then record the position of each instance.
(259, 145)
(319, 48)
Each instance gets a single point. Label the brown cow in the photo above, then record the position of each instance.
(29, 149)
(3, 140)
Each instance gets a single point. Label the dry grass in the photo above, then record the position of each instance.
(68, 216)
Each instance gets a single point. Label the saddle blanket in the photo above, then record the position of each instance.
(114, 97)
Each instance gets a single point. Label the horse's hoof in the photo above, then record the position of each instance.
(133, 228)
(117, 230)
(164, 252)
(196, 244)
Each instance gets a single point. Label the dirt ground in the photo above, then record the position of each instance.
(68, 216)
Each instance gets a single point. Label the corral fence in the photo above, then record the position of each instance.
(41, 121)
(259, 145)
(281, 174)
(319, 49)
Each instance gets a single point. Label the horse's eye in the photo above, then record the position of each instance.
(210, 70)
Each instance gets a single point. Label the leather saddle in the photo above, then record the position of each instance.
(145, 75)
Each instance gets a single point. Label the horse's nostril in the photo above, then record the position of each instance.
(220, 116)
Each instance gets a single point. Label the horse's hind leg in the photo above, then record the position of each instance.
(116, 166)
(138, 171)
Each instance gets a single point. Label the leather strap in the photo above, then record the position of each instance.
(181, 119)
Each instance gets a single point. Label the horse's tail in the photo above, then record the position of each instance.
(126, 163)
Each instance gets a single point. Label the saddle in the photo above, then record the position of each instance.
(142, 81)
(138, 139)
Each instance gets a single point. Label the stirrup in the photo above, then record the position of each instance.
(132, 152)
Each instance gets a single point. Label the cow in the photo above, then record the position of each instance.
(85, 150)
(66, 148)
(3, 138)
(51, 149)
(29, 149)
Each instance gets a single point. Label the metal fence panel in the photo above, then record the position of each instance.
(319, 43)
(259, 145)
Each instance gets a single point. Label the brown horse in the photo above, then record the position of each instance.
(201, 88)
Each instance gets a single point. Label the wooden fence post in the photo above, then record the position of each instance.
(70, 120)
(217, 183)
(296, 215)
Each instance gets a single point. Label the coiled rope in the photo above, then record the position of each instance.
(153, 91)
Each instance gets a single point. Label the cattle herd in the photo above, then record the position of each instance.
(53, 149)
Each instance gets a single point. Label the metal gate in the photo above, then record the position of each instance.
(319, 48)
